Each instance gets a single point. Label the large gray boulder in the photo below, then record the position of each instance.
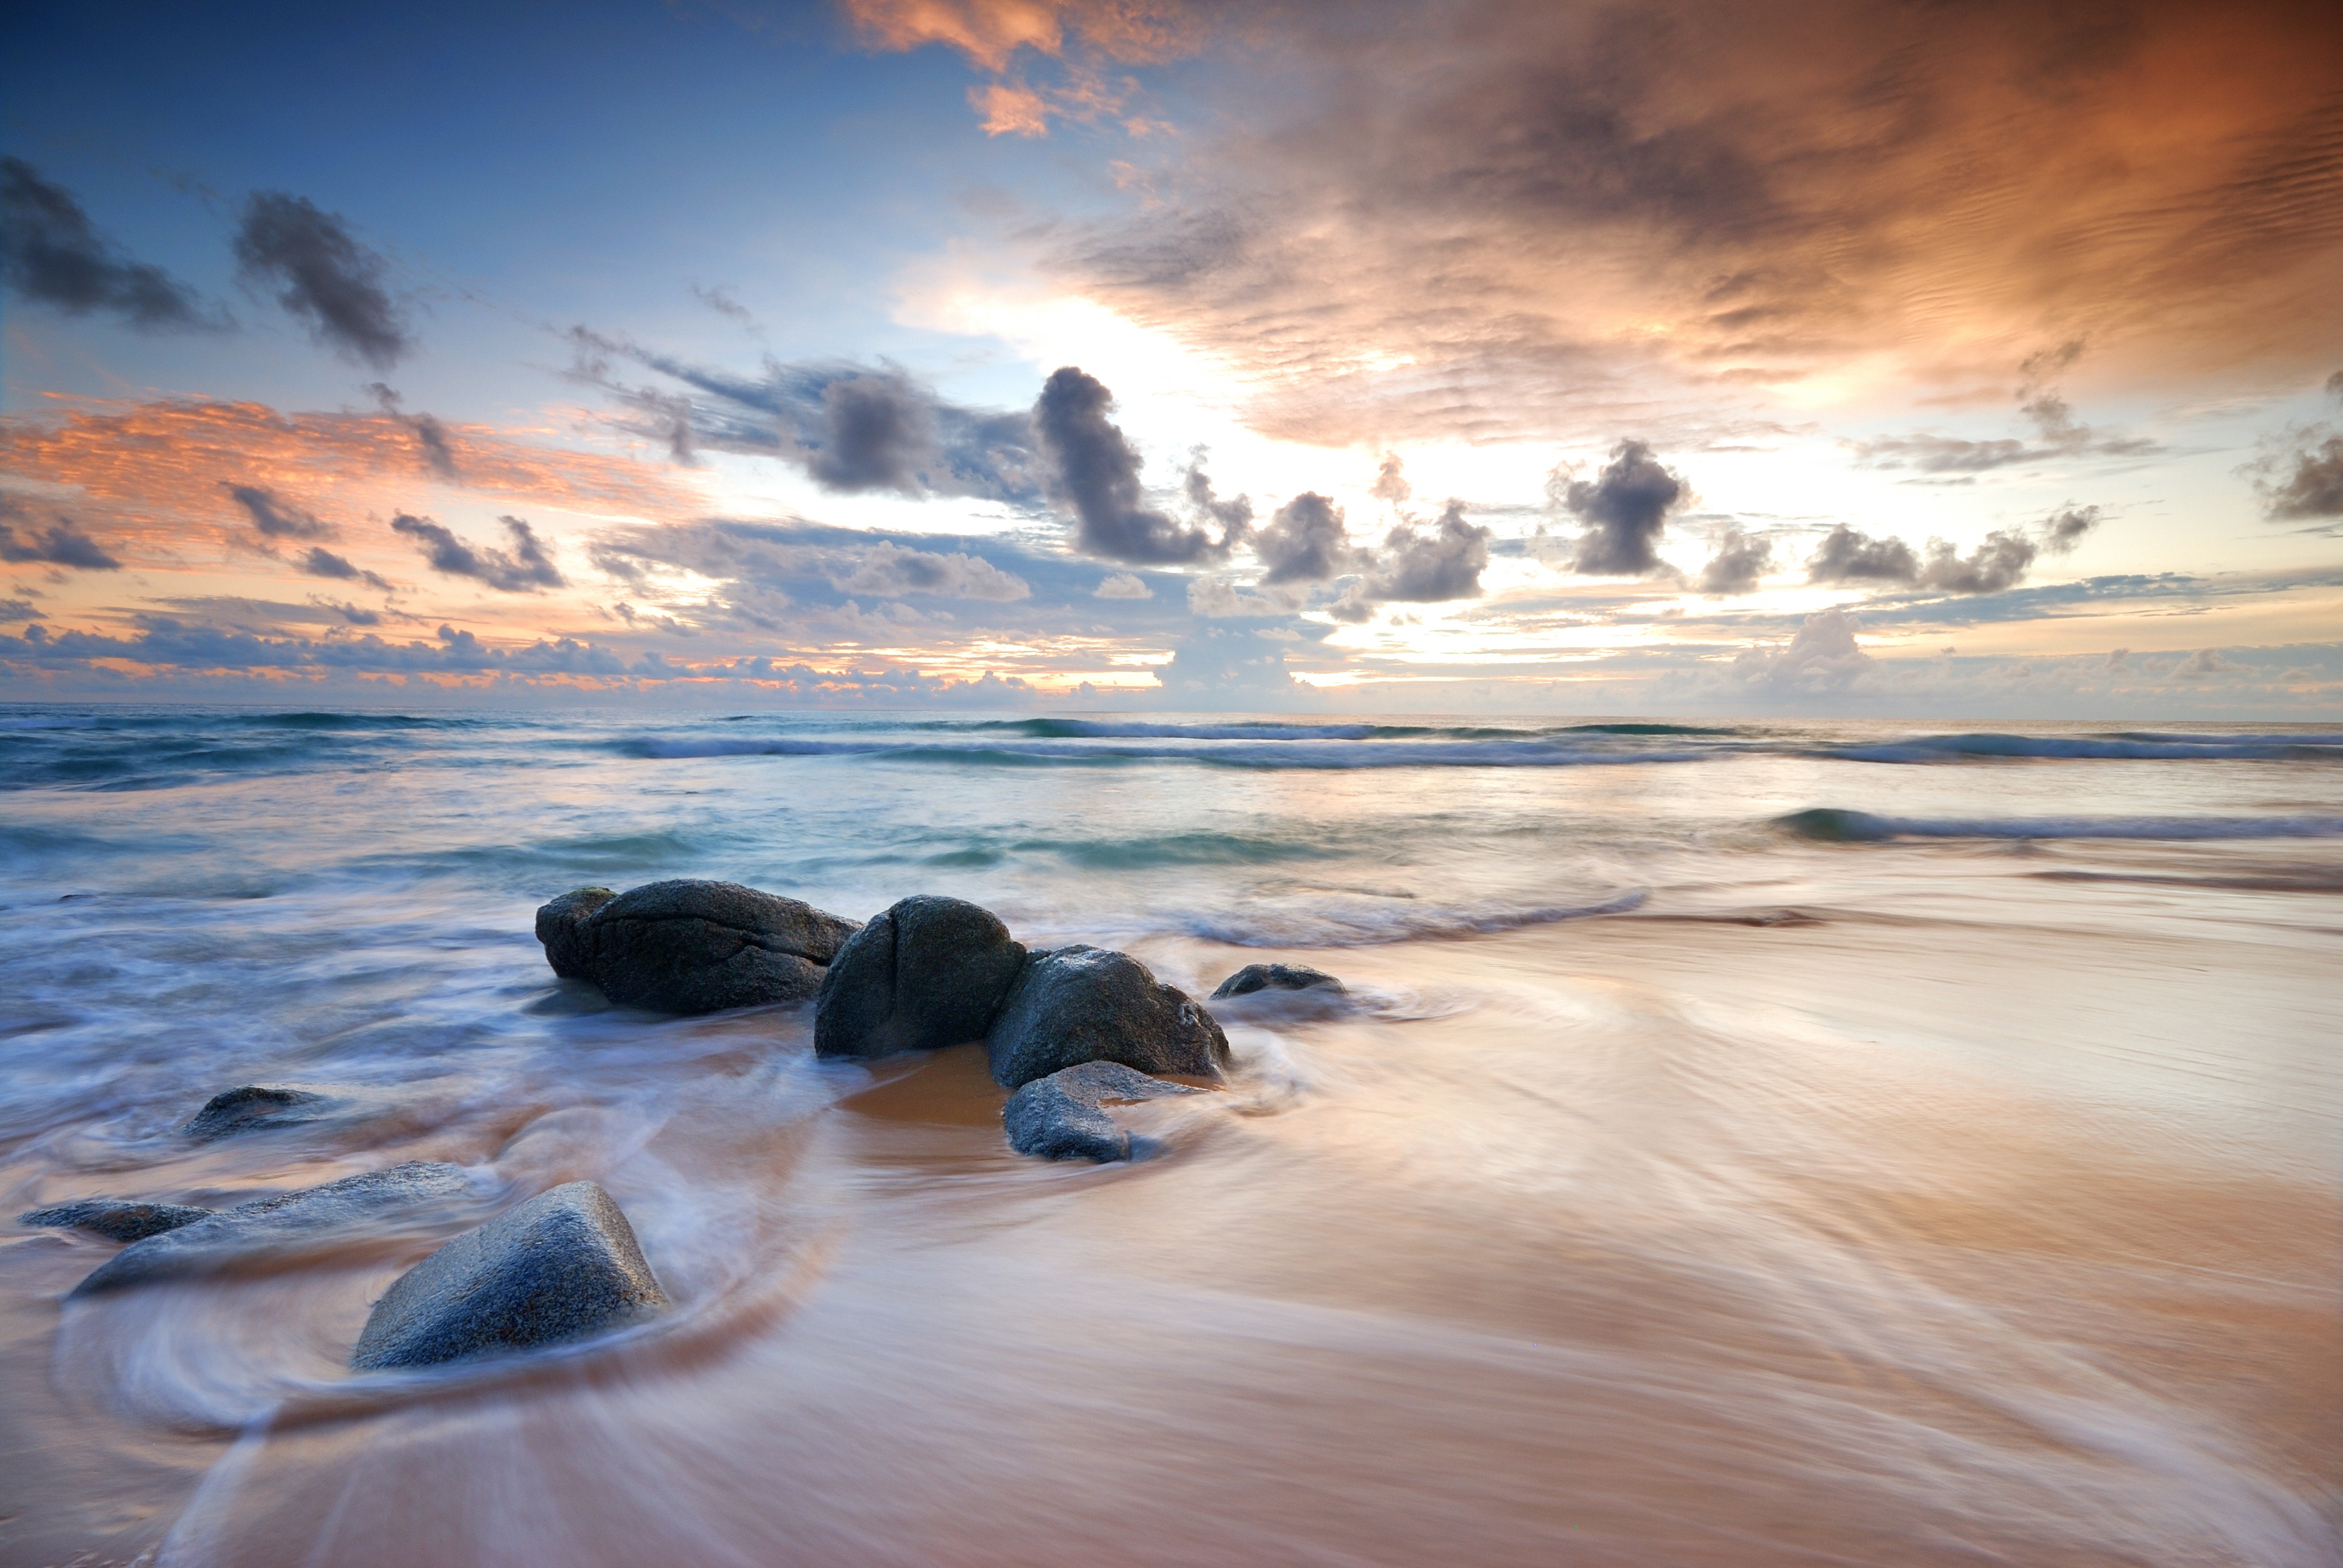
(560, 1267)
(418, 1193)
(254, 1106)
(1275, 976)
(1059, 1117)
(691, 947)
(931, 972)
(115, 1218)
(1077, 1004)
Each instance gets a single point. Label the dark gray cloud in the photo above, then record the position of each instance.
(2312, 488)
(1234, 516)
(323, 276)
(2058, 433)
(59, 545)
(1848, 555)
(1431, 568)
(2335, 385)
(1624, 508)
(525, 570)
(852, 427)
(1741, 558)
(321, 562)
(51, 254)
(276, 517)
(19, 609)
(1306, 542)
(2068, 526)
(1094, 471)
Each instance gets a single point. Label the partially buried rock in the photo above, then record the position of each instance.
(269, 1231)
(560, 1267)
(691, 947)
(931, 972)
(1077, 1004)
(253, 1106)
(1059, 1117)
(114, 1218)
(1274, 977)
(556, 928)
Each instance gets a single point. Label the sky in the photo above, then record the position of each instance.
(1867, 357)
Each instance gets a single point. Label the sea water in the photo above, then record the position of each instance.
(1740, 1144)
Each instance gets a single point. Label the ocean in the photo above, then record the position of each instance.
(1743, 1144)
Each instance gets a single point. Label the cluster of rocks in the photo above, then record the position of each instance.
(1068, 1029)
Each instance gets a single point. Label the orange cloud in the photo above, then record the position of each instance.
(989, 31)
(1011, 111)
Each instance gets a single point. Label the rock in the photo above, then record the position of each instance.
(419, 1191)
(560, 1267)
(1077, 1004)
(693, 947)
(556, 928)
(1274, 977)
(254, 1105)
(1059, 1117)
(929, 972)
(115, 1218)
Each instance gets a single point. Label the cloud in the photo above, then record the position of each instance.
(1219, 597)
(1848, 555)
(1548, 214)
(19, 609)
(59, 545)
(1121, 585)
(1431, 568)
(1741, 560)
(852, 427)
(2060, 436)
(889, 569)
(1234, 666)
(1624, 508)
(1306, 542)
(433, 445)
(50, 253)
(2205, 664)
(1093, 471)
(2000, 562)
(2313, 489)
(323, 276)
(321, 562)
(2068, 526)
(276, 517)
(1823, 657)
(527, 569)
(988, 32)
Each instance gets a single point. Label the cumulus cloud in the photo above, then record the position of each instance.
(1093, 471)
(1429, 566)
(525, 569)
(1623, 509)
(2000, 562)
(888, 569)
(1741, 558)
(2204, 663)
(2307, 484)
(1306, 542)
(51, 254)
(853, 428)
(1218, 597)
(2068, 526)
(1849, 556)
(323, 276)
(1824, 656)
(276, 517)
(1121, 585)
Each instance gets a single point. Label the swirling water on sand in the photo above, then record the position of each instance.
(1752, 1144)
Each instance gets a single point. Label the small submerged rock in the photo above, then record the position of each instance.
(1077, 1004)
(254, 1105)
(560, 1267)
(268, 1226)
(927, 972)
(691, 947)
(1059, 1117)
(1275, 976)
(115, 1218)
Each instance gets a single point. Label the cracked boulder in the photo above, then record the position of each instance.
(691, 947)
(929, 972)
(1077, 1004)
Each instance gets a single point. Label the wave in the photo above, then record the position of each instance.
(2118, 747)
(1356, 924)
(1831, 825)
(1263, 755)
